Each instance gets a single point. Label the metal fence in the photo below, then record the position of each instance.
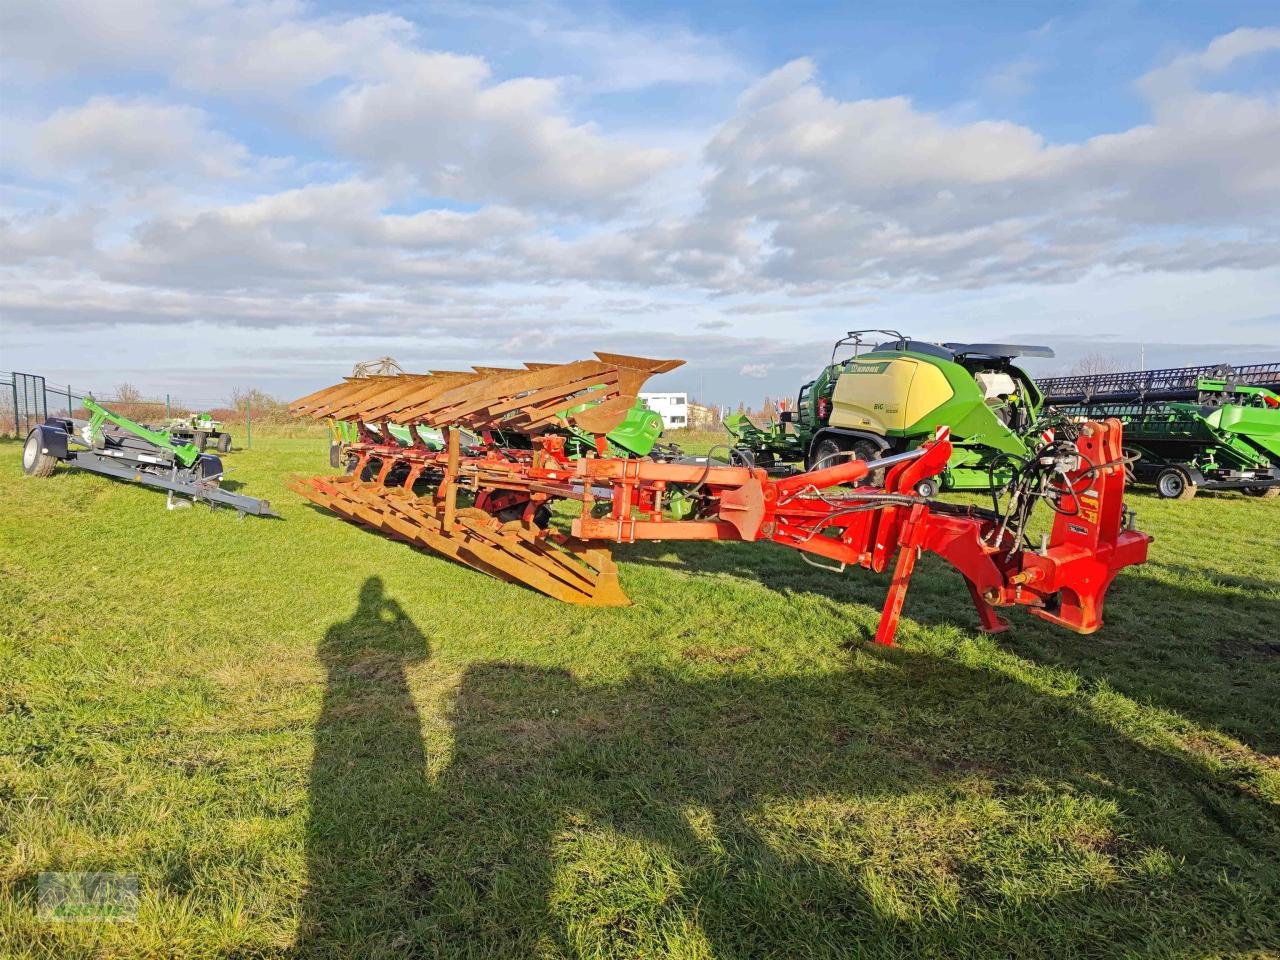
(28, 399)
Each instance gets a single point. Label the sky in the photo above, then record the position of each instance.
(204, 195)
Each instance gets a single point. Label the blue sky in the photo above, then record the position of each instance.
(208, 195)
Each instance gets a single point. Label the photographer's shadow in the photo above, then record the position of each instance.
(368, 781)
(815, 814)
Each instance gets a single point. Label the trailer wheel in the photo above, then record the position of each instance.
(35, 462)
(1266, 493)
(224, 443)
(1175, 484)
(200, 439)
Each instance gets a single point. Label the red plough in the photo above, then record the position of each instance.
(485, 506)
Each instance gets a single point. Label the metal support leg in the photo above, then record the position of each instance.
(908, 552)
(992, 622)
(453, 464)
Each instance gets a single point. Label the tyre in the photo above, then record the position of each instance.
(224, 443)
(866, 450)
(927, 488)
(35, 462)
(1175, 483)
(827, 453)
(1266, 493)
(200, 439)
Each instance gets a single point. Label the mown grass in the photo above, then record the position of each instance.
(306, 740)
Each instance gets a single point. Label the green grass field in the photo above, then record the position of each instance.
(306, 740)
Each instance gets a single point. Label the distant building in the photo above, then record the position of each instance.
(672, 407)
(703, 417)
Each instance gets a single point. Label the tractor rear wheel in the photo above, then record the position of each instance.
(1266, 493)
(35, 462)
(1175, 483)
(224, 443)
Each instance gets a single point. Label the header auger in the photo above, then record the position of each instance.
(483, 497)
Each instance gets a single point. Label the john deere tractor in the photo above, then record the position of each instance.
(892, 393)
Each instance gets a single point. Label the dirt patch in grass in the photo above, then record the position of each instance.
(700, 654)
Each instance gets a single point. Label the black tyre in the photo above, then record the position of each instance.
(827, 452)
(1175, 483)
(224, 443)
(866, 450)
(742, 457)
(335, 455)
(1266, 493)
(200, 439)
(35, 462)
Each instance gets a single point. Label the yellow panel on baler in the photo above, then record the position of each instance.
(884, 396)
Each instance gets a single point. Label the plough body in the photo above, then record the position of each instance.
(487, 504)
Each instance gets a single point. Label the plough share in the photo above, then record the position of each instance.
(483, 497)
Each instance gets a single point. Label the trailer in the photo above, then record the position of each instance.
(1209, 427)
(115, 446)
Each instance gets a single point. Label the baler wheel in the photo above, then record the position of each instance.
(866, 450)
(1174, 483)
(35, 462)
(827, 453)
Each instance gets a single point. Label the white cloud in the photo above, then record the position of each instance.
(620, 59)
(131, 141)
(439, 117)
(431, 195)
(1180, 75)
(880, 193)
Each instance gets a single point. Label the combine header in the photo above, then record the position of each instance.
(113, 445)
(1208, 427)
(517, 442)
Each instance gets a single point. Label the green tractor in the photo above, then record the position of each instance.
(883, 393)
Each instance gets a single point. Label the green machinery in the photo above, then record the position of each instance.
(200, 430)
(115, 446)
(893, 394)
(636, 436)
(1210, 427)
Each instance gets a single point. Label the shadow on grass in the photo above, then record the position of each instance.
(909, 806)
(1208, 653)
(368, 777)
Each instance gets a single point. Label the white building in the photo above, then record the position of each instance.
(672, 407)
